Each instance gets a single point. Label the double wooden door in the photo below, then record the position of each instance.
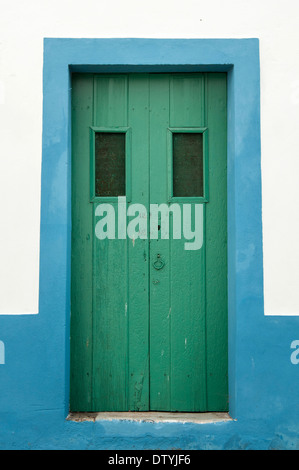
(149, 236)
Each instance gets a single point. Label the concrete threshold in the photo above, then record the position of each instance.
(152, 417)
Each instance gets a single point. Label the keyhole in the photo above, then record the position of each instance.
(159, 227)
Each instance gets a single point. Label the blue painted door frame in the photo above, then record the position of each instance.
(240, 59)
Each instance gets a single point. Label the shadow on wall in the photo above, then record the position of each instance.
(2, 353)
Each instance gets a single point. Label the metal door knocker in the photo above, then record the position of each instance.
(159, 263)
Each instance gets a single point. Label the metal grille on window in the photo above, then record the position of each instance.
(188, 165)
(110, 164)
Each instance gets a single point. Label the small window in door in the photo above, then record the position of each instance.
(188, 164)
(110, 164)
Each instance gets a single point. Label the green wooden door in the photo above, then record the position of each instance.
(148, 312)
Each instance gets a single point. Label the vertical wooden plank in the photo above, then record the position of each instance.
(216, 248)
(110, 269)
(188, 342)
(138, 248)
(82, 236)
(110, 106)
(187, 100)
(160, 319)
(110, 325)
(188, 365)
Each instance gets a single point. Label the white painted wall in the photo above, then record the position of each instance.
(23, 25)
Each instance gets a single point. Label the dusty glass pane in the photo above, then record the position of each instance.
(110, 164)
(187, 165)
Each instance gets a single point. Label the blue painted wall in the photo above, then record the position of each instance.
(34, 381)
